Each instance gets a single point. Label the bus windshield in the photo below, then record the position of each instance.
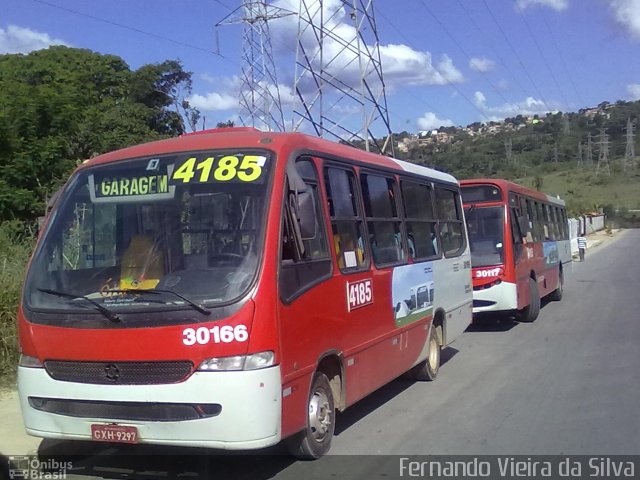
(178, 231)
(486, 235)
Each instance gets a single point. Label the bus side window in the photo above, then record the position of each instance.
(297, 275)
(383, 221)
(419, 220)
(448, 211)
(347, 225)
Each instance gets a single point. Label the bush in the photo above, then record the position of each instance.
(15, 247)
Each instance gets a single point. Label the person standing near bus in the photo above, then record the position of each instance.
(582, 246)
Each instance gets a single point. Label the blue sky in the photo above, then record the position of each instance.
(446, 62)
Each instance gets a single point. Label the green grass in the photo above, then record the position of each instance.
(584, 192)
(413, 317)
(15, 247)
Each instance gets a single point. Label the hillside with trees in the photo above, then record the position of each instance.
(546, 152)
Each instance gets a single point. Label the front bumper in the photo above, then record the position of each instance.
(250, 415)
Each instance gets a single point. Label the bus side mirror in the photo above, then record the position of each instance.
(306, 216)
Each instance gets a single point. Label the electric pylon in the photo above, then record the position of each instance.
(260, 104)
(629, 161)
(603, 153)
(338, 80)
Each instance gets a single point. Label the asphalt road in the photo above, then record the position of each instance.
(565, 384)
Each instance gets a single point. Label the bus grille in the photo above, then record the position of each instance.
(140, 411)
(119, 373)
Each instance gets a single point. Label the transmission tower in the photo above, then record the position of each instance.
(338, 80)
(508, 148)
(629, 161)
(579, 155)
(260, 104)
(589, 150)
(603, 153)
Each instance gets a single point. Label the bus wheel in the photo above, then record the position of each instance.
(556, 295)
(531, 311)
(427, 370)
(315, 440)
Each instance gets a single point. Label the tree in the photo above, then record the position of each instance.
(62, 105)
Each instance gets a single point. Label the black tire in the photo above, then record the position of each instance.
(315, 440)
(427, 370)
(556, 295)
(530, 312)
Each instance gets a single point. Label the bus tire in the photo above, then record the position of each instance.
(556, 295)
(315, 440)
(531, 311)
(427, 370)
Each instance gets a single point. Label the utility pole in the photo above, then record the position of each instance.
(260, 104)
(555, 152)
(629, 161)
(603, 153)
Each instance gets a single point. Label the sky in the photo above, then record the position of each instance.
(445, 62)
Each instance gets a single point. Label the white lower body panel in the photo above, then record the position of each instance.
(503, 296)
(250, 416)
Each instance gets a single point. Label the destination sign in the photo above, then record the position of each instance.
(131, 186)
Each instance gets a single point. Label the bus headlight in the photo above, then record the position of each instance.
(254, 361)
(29, 362)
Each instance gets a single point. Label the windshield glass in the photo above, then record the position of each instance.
(189, 224)
(486, 235)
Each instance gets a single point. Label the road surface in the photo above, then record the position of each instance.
(565, 384)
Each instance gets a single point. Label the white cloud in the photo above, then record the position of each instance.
(557, 5)
(634, 90)
(214, 101)
(430, 121)
(627, 14)
(529, 106)
(481, 64)
(401, 64)
(227, 96)
(24, 40)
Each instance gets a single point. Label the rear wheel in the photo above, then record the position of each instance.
(427, 370)
(556, 295)
(531, 311)
(315, 440)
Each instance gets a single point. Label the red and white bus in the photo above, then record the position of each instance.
(520, 246)
(232, 288)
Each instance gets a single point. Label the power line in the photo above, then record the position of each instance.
(513, 50)
(134, 29)
(495, 52)
(446, 30)
(562, 60)
(402, 35)
(544, 59)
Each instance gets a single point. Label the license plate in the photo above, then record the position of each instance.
(114, 433)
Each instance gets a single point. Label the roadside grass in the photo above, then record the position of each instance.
(583, 190)
(15, 248)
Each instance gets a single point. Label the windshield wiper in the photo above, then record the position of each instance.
(103, 310)
(156, 291)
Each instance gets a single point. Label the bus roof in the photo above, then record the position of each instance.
(248, 137)
(508, 186)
